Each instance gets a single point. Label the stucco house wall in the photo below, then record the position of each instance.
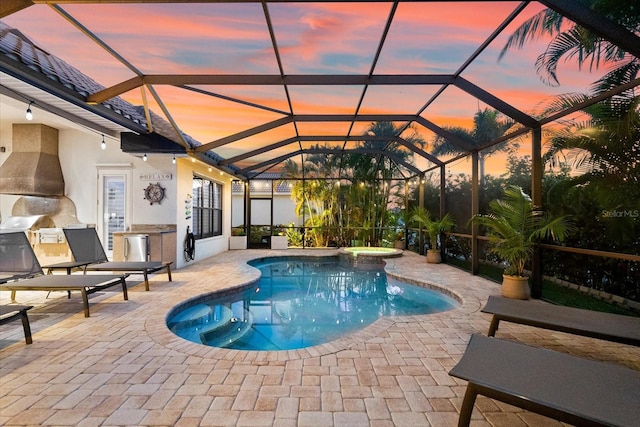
(81, 156)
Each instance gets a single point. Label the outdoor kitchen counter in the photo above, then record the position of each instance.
(162, 242)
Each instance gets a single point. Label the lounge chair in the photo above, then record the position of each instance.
(557, 385)
(89, 254)
(16, 258)
(9, 313)
(17, 254)
(594, 324)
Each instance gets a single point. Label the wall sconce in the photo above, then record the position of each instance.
(29, 114)
(103, 144)
(144, 158)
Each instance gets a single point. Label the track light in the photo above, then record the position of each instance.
(144, 158)
(103, 144)
(29, 114)
(174, 159)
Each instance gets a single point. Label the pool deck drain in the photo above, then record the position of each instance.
(122, 366)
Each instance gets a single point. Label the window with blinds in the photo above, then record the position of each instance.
(207, 208)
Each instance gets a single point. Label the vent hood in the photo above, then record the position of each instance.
(33, 167)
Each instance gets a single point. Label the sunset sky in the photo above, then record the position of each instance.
(313, 38)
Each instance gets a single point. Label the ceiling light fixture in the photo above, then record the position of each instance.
(144, 158)
(29, 114)
(103, 144)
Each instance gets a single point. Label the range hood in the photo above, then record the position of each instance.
(33, 167)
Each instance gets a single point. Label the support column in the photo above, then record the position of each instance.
(421, 204)
(247, 210)
(443, 183)
(475, 210)
(443, 209)
(406, 213)
(536, 198)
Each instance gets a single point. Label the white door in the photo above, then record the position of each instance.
(114, 190)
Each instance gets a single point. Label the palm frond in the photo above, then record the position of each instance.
(546, 22)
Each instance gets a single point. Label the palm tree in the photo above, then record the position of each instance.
(604, 149)
(487, 126)
(375, 170)
(316, 198)
(574, 41)
(515, 226)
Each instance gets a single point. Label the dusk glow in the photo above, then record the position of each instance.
(312, 38)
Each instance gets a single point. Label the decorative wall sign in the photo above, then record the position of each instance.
(154, 193)
(156, 177)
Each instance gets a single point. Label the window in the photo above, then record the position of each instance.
(207, 208)
(113, 203)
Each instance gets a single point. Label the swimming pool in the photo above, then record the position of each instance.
(299, 302)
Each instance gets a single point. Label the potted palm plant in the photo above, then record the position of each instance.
(434, 229)
(514, 226)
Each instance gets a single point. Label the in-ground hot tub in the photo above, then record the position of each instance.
(362, 256)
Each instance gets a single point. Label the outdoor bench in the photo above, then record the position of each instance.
(567, 388)
(590, 323)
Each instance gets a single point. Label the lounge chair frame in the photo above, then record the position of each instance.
(85, 284)
(594, 324)
(17, 312)
(89, 255)
(25, 262)
(567, 388)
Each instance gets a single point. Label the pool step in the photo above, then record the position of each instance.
(191, 316)
(190, 325)
(222, 334)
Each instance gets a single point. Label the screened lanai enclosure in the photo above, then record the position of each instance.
(355, 114)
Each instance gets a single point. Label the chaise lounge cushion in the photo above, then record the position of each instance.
(594, 324)
(568, 388)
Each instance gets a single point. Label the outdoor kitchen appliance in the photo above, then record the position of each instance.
(33, 167)
(26, 223)
(136, 247)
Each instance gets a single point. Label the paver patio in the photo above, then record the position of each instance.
(122, 366)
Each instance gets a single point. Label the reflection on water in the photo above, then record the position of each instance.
(302, 302)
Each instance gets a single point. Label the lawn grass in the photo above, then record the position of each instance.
(552, 292)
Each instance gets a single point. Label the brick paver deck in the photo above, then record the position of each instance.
(122, 366)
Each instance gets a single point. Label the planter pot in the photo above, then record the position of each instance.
(279, 242)
(398, 244)
(433, 256)
(237, 242)
(516, 287)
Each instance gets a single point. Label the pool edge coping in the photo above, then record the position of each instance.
(157, 330)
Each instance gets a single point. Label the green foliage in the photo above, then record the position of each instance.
(515, 225)
(337, 211)
(238, 231)
(434, 227)
(570, 40)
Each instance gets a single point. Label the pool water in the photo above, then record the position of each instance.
(300, 302)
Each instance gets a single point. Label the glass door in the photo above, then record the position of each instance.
(260, 223)
(113, 205)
